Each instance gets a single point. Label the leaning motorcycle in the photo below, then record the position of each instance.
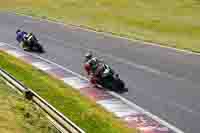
(109, 80)
(31, 43)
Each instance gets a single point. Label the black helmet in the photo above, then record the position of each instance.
(88, 56)
(18, 31)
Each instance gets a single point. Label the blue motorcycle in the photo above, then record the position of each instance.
(29, 42)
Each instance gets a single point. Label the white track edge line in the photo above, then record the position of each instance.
(114, 94)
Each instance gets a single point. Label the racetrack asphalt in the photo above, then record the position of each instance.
(161, 80)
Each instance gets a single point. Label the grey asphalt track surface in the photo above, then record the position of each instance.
(163, 81)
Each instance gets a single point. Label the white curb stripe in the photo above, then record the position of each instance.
(122, 114)
(76, 82)
(145, 129)
(15, 53)
(2, 44)
(41, 65)
(117, 107)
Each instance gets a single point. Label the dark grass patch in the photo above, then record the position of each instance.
(19, 115)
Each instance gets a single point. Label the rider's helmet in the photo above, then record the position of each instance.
(18, 30)
(88, 56)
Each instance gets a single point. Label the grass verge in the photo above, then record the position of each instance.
(86, 114)
(18, 115)
(168, 22)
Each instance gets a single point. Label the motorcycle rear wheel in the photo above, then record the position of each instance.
(118, 85)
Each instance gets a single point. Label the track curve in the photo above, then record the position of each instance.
(161, 80)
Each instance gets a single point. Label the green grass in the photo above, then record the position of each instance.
(86, 114)
(20, 116)
(168, 22)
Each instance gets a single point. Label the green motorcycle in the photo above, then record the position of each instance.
(110, 80)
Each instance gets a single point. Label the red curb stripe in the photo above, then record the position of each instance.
(95, 94)
(59, 73)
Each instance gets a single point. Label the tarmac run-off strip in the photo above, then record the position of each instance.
(133, 117)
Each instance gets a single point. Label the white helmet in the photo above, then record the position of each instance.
(88, 56)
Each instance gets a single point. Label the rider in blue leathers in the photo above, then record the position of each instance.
(22, 38)
(21, 35)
